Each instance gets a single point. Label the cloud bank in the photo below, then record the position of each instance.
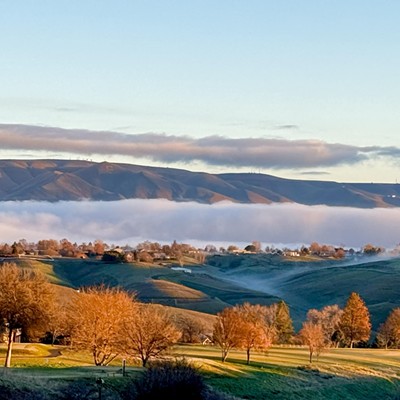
(212, 150)
(132, 221)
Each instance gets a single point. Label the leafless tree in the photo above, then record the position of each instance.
(328, 317)
(254, 334)
(99, 315)
(148, 333)
(227, 331)
(312, 335)
(389, 331)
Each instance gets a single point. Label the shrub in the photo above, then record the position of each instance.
(173, 380)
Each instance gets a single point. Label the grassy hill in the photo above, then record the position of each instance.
(304, 285)
(229, 280)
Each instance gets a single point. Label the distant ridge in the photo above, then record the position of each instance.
(56, 180)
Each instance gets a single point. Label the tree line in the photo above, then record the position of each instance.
(253, 327)
(148, 251)
(109, 322)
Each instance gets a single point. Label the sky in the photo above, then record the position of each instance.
(298, 89)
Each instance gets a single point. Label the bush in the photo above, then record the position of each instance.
(175, 380)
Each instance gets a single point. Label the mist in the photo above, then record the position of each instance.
(133, 221)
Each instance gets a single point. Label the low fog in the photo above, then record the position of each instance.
(132, 221)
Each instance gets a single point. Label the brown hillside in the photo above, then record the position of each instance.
(55, 180)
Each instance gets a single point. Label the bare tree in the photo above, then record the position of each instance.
(227, 331)
(191, 328)
(253, 333)
(312, 335)
(149, 333)
(99, 315)
(389, 331)
(329, 318)
(25, 298)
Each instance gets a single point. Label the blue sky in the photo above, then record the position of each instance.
(313, 84)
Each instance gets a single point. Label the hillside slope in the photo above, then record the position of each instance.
(55, 180)
(228, 280)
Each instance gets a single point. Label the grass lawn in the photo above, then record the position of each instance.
(282, 373)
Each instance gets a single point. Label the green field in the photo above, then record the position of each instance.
(282, 373)
(228, 280)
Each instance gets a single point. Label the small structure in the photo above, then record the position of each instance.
(182, 269)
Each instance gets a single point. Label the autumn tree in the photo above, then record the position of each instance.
(329, 318)
(191, 328)
(253, 333)
(283, 323)
(315, 248)
(227, 331)
(58, 324)
(389, 331)
(98, 316)
(67, 249)
(148, 333)
(312, 335)
(99, 247)
(48, 247)
(25, 297)
(355, 321)
(371, 250)
(269, 325)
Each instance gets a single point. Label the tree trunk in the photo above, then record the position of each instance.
(351, 344)
(248, 356)
(7, 363)
(224, 355)
(311, 353)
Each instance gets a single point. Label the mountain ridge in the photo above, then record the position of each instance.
(73, 180)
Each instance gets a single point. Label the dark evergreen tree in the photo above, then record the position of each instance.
(283, 323)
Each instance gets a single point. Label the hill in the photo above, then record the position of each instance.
(305, 285)
(56, 180)
(229, 280)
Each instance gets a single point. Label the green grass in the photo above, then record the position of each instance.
(284, 373)
(229, 280)
(281, 373)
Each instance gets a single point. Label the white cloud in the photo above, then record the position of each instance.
(131, 221)
(211, 150)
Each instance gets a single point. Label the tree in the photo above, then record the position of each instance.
(312, 335)
(253, 333)
(328, 318)
(389, 331)
(283, 323)
(48, 247)
(58, 322)
(98, 316)
(149, 333)
(315, 248)
(355, 322)
(99, 247)
(191, 328)
(371, 250)
(227, 331)
(25, 297)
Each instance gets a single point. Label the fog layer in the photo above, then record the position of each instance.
(130, 221)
